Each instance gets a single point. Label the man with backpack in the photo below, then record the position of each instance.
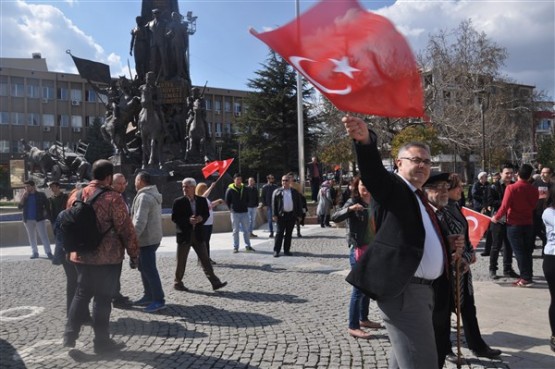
(97, 266)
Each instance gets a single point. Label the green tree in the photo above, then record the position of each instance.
(98, 147)
(267, 130)
(546, 151)
(420, 133)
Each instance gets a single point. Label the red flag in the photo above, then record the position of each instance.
(216, 166)
(357, 59)
(478, 224)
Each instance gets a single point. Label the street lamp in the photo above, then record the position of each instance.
(482, 95)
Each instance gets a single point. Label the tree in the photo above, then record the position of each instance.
(546, 151)
(98, 147)
(420, 133)
(267, 131)
(464, 89)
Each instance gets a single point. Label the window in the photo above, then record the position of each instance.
(544, 125)
(18, 119)
(237, 107)
(217, 105)
(76, 95)
(77, 121)
(18, 87)
(208, 104)
(218, 128)
(4, 117)
(63, 120)
(48, 92)
(209, 124)
(48, 120)
(17, 147)
(4, 88)
(91, 95)
(33, 119)
(33, 89)
(4, 146)
(227, 105)
(62, 93)
(227, 128)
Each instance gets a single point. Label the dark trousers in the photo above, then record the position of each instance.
(96, 281)
(489, 241)
(522, 242)
(71, 282)
(499, 240)
(549, 272)
(285, 225)
(202, 254)
(539, 228)
(315, 187)
(441, 318)
(149, 273)
(470, 321)
(117, 290)
(207, 232)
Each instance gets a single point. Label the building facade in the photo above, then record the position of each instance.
(44, 107)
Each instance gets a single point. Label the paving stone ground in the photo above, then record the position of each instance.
(287, 312)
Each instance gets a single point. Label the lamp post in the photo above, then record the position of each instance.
(483, 133)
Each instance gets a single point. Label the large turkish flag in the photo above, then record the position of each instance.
(357, 59)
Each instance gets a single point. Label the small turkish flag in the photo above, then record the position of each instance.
(357, 59)
(216, 166)
(478, 224)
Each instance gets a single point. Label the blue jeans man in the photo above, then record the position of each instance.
(521, 238)
(252, 219)
(149, 274)
(359, 305)
(269, 214)
(240, 221)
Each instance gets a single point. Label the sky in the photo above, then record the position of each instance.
(224, 54)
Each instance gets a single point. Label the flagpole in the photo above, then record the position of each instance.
(300, 122)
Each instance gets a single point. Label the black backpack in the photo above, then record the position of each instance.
(79, 226)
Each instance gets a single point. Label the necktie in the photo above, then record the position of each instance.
(433, 218)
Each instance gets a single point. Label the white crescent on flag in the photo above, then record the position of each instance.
(342, 66)
(474, 221)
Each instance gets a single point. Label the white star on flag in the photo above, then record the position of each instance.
(343, 66)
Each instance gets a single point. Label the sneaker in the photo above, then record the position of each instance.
(155, 306)
(105, 347)
(180, 287)
(493, 275)
(143, 301)
(34, 256)
(235, 250)
(219, 285)
(249, 249)
(122, 303)
(253, 235)
(213, 262)
(523, 283)
(511, 274)
(50, 256)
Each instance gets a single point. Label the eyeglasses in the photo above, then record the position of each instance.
(418, 161)
(439, 186)
(285, 180)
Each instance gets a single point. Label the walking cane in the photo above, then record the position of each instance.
(458, 310)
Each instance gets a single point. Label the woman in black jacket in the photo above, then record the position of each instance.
(361, 231)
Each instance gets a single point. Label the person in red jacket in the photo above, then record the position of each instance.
(518, 204)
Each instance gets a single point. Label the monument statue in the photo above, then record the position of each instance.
(151, 125)
(197, 127)
(179, 47)
(140, 45)
(158, 52)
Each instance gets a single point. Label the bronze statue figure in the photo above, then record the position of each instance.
(158, 51)
(140, 45)
(151, 124)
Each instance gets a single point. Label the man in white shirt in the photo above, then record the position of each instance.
(286, 205)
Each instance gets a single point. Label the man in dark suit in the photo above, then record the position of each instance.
(189, 214)
(408, 253)
(286, 202)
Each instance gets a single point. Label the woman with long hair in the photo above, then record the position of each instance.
(548, 218)
(361, 232)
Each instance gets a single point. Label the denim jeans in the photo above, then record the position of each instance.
(149, 273)
(252, 219)
(359, 305)
(522, 242)
(240, 220)
(96, 281)
(33, 227)
(269, 215)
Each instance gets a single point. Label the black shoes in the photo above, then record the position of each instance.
(511, 274)
(50, 256)
(180, 287)
(34, 256)
(271, 235)
(485, 254)
(276, 254)
(122, 302)
(108, 346)
(287, 253)
(487, 352)
(69, 342)
(552, 343)
(219, 285)
(493, 275)
(299, 235)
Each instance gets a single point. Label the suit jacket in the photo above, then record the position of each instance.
(391, 260)
(181, 212)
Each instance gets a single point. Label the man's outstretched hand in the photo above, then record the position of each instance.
(356, 129)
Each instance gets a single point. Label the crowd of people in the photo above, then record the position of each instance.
(408, 239)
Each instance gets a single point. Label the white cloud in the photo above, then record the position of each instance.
(525, 28)
(28, 28)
